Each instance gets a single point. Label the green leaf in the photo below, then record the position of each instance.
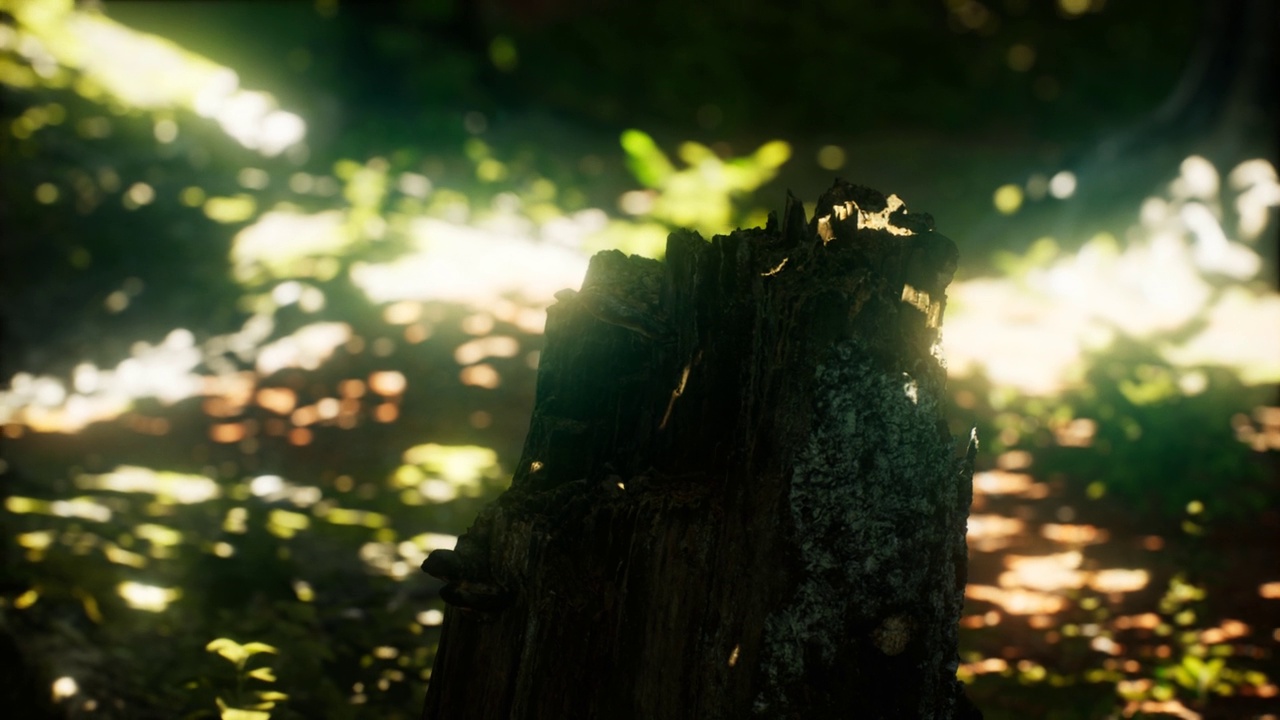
(228, 648)
(646, 161)
(254, 648)
(264, 674)
(773, 154)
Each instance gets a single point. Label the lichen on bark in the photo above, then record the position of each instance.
(864, 495)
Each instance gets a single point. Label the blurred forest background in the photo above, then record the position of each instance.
(273, 280)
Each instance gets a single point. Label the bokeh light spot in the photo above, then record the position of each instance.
(484, 376)
(1073, 8)
(1007, 199)
(166, 131)
(253, 178)
(116, 301)
(831, 157)
(387, 383)
(502, 52)
(64, 687)
(191, 196)
(230, 209)
(46, 193)
(1021, 57)
(1062, 185)
(139, 194)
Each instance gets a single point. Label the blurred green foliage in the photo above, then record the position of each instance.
(709, 195)
(233, 708)
(1156, 448)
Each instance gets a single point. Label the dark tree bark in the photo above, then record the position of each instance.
(738, 496)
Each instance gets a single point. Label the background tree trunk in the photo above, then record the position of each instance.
(738, 496)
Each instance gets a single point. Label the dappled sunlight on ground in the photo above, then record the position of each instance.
(175, 370)
(999, 482)
(1055, 588)
(455, 263)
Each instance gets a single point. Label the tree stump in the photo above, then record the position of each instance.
(738, 496)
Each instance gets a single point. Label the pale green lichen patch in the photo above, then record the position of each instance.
(872, 498)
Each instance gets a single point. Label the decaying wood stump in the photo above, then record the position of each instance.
(738, 496)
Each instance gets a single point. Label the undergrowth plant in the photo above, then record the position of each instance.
(243, 702)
